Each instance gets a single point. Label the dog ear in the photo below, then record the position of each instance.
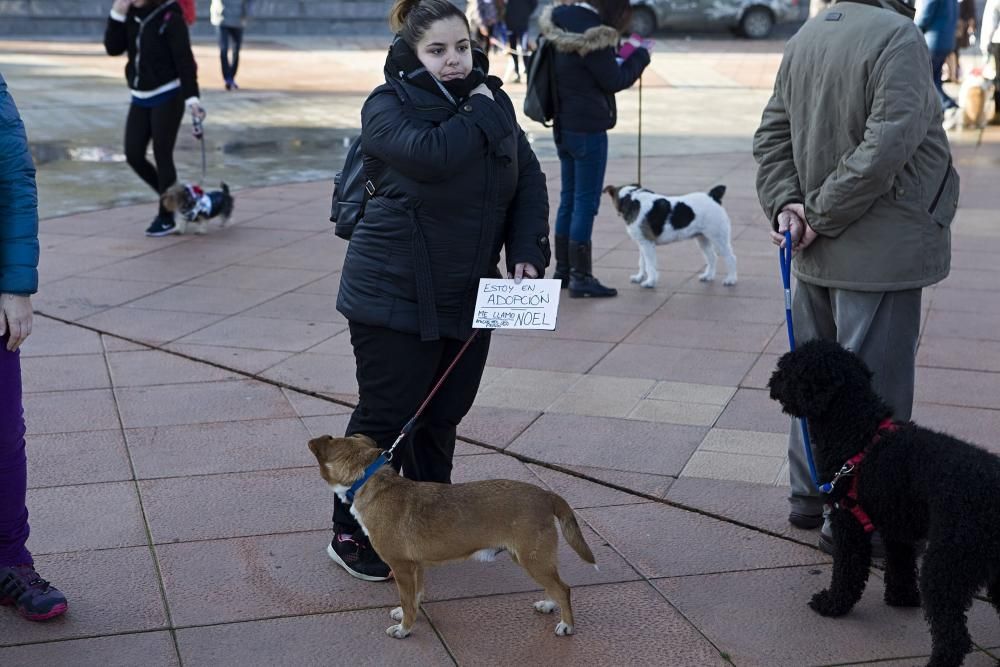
(808, 380)
(365, 440)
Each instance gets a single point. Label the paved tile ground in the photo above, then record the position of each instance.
(171, 385)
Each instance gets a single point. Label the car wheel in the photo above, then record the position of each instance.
(643, 21)
(757, 23)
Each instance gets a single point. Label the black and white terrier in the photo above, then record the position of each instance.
(196, 206)
(653, 219)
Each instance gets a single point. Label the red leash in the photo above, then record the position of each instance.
(423, 406)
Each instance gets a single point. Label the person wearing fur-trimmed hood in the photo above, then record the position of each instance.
(588, 74)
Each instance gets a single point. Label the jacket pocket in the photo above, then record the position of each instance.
(945, 202)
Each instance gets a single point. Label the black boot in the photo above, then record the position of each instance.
(562, 260)
(582, 282)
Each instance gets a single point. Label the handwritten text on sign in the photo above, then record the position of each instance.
(501, 304)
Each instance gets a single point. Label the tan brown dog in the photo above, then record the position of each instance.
(415, 524)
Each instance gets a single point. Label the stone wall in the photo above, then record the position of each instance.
(270, 17)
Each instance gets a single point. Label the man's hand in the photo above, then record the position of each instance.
(521, 270)
(792, 218)
(15, 319)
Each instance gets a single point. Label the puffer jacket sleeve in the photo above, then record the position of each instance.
(18, 203)
(777, 178)
(527, 238)
(897, 122)
(611, 76)
(430, 154)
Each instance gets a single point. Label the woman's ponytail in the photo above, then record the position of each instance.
(400, 10)
(412, 18)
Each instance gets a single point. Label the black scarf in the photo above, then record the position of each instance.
(402, 64)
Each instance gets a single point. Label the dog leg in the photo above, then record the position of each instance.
(852, 556)
(708, 275)
(639, 277)
(948, 580)
(407, 577)
(726, 250)
(901, 575)
(542, 567)
(648, 252)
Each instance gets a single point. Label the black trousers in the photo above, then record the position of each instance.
(229, 67)
(160, 125)
(396, 372)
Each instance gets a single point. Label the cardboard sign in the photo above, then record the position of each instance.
(502, 304)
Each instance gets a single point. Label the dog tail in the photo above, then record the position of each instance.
(227, 203)
(717, 192)
(571, 529)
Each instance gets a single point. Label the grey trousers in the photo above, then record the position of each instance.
(880, 327)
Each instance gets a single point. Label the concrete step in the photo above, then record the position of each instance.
(270, 17)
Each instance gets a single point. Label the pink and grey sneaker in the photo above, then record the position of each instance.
(354, 553)
(33, 597)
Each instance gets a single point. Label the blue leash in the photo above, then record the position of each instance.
(785, 259)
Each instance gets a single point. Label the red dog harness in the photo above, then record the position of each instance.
(850, 501)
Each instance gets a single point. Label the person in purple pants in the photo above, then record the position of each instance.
(20, 585)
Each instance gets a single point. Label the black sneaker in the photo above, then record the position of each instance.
(162, 226)
(33, 597)
(354, 553)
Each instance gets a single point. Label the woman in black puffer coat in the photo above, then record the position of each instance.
(455, 182)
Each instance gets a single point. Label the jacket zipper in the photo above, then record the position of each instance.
(138, 42)
(940, 190)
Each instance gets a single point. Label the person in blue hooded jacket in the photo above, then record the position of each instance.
(20, 585)
(938, 19)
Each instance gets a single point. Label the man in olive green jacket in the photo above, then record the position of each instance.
(854, 162)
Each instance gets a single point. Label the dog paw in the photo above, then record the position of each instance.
(563, 629)
(729, 282)
(397, 631)
(706, 277)
(545, 606)
(825, 604)
(910, 598)
(648, 284)
(396, 614)
(637, 278)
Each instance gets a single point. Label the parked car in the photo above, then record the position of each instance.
(751, 18)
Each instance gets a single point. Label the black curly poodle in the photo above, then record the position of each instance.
(912, 484)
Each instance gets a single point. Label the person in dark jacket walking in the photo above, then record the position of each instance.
(938, 19)
(230, 20)
(517, 18)
(455, 181)
(20, 586)
(588, 75)
(162, 77)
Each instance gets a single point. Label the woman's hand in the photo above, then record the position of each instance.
(15, 319)
(483, 89)
(521, 270)
(121, 6)
(197, 111)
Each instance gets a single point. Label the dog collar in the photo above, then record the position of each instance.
(850, 501)
(369, 471)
